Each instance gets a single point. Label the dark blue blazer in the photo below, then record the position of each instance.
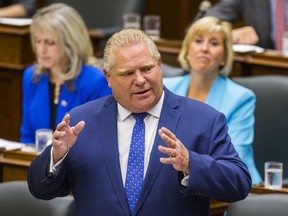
(92, 169)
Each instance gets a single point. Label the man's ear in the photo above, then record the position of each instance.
(107, 75)
(159, 62)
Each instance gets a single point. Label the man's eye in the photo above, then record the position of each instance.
(148, 69)
(126, 74)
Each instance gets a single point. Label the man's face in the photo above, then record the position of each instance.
(136, 78)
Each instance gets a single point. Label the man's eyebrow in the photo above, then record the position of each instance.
(148, 65)
(121, 71)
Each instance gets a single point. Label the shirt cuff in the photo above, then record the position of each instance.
(185, 180)
(54, 168)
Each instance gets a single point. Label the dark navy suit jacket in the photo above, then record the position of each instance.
(92, 169)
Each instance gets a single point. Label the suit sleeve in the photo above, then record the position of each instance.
(40, 184)
(219, 174)
(227, 10)
(29, 6)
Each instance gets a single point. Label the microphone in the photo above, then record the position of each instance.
(204, 6)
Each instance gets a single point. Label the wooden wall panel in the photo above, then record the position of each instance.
(176, 15)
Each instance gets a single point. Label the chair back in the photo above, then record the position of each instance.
(16, 199)
(171, 71)
(271, 119)
(260, 205)
(105, 13)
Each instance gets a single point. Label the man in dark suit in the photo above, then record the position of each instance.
(256, 15)
(188, 159)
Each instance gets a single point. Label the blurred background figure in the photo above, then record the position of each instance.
(66, 73)
(17, 8)
(259, 17)
(207, 54)
(204, 6)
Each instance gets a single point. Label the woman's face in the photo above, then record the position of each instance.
(49, 51)
(206, 53)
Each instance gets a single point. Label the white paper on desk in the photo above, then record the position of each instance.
(16, 21)
(9, 145)
(245, 48)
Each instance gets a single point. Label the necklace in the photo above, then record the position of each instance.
(56, 93)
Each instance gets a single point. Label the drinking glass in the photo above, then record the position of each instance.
(43, 138)
(273, 175)
(132, 20)
(152, 26)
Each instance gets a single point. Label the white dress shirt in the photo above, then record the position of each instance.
(125, 124)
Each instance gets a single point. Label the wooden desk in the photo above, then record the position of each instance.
(260, 189)
(267, 63)
(249, 64)
(217, 208)
(14, 165)
(15, 55)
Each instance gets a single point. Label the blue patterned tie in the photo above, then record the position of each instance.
(135, 168)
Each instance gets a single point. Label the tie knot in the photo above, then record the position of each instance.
(139, 116)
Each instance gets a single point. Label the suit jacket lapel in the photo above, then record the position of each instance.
(169, 118)
(108, 120)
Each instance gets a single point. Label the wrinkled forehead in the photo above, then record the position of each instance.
(130, 52)
(138, 52)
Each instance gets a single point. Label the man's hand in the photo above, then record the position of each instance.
(245, 35)
(65, 137)
(177, 152)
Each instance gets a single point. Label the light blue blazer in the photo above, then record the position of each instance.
(238, 104)
(90, 84)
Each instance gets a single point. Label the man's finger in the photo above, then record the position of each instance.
(78, 128)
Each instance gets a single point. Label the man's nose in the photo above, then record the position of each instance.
(139, 77)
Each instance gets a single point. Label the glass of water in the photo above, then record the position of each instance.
(43, 138)
(273, 175)
(152, 26)
(132, 20)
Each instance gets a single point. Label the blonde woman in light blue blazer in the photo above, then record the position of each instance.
(207, 54)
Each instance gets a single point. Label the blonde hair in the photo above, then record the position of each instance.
(67, 27)
(205, 25)
(127, 37)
